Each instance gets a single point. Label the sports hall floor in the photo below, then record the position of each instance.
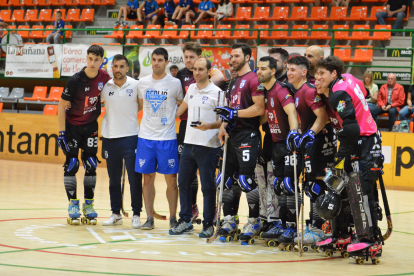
(36, 240)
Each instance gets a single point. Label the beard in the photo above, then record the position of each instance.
(239, 66)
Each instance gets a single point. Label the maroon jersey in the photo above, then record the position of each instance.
(241, 97)
(336, 121)
(310, 79)
(186, 77)
(306, 101)
(276, 98)
(83, 94)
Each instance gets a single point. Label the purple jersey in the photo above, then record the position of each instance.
(241, 97)
(306, 101)
(335, 120)
(83, 94)
(276, 98)
(310, 79)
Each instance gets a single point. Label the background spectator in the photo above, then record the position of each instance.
(408, 109)
(129, 11)
(148, 9)
(391, 99)
(174, 70)
(58, 24)
(338, 3)
(395, 8)
(372, 88)
(183, 7)
(224, 10)
(205, 10)
(169, 8)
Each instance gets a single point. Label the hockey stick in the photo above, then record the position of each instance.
(387, 209)
(158, 216)
(303, 200)
(123, 189)
(220, 197)
(296, 198)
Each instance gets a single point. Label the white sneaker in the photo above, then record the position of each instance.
(113, 220)
(136, 222)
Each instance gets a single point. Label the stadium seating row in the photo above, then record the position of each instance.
(37, 34)
(55, 3)
(45, 15)
(39, 94)
(302, 33)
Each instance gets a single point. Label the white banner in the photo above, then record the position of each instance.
(74, 57)
(293, 51)
(33, 61)
(175, 57)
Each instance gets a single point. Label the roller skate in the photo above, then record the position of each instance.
(362, 251)
(250, 230)
(195, 219)
(271, 237)
(286, 240)
(330, 245)
(89, 213)
(229, 230)
(266, 227)
(311, 235)
(73, 211)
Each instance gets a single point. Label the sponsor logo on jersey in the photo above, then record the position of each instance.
(272, 102)
(287, 96)
(191, 96)
(186, 78)
(260, 87)
(233, 87)
(333, 120)
(154, 98)
(141, 162)
(317, 99)
(86, 89)
(100, 85)
(111, 93)
(296, 102)
(204, 99)
(163, 121)
(171, 163)
(129, 92)
(253, 134)
(341, 106)
(242, 83)
(66, 91)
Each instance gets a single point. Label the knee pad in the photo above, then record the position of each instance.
(288, 186)
(277, 186)
(247, 183)
(90, 164)
(71, 166)
(228, 181)
(314, 189)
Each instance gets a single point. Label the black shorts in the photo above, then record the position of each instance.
(83, 137)
(321, 154)
(132, 15)
(283, 161)
(243, 151)
(181, 136)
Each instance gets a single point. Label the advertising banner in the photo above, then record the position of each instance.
(293, 51)
(175, 57)
(33, 61)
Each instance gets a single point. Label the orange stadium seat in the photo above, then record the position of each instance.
(5, 15)
(344, 53)
(302, 32)
(44, 15)
(31, 3)
(172, 32)
(1, 108)
(340, 35)
(299, 14)
(362, 54)
(117, 33)
(73, 15)
(360, 34)
(43, 3)
(18, 16)
(318, 14)
(85, 2)
(290, 1)
(207, 32)
(273, 1)
(4, 3)
(373, 1)
(37, 34)
(17, 3)
(243, 13)
(374, 10)
(319, 34)
(338, 14)
(38, 93)
(133, 33)
(71, 3)
(381, 35)
(308, 1)
(103, 111)
(31, 15)
(23, 34)
(55, 3)
(54, 94)
(50, 110)
(88, 15)
(68, 33)
(279, 34)
(224, 32)
(115, 44)
(54, 15)
(280, 14)
(264, 33)
(49, 32)
(358, 13)
(154, 31)
(239, 34)
(103, 2)
(184, 32)
(261, 14)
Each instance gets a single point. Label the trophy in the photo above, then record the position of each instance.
(196, 117)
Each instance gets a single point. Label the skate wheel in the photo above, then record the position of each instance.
(198, 221)
(376, 261)
(328, 254)
(360, 261)
(271, 243)
(345, 255)
(75, 222)
(289, 248)
(238, 231)
(282, 247)
(88, 221)
(93, 221)
(251, 241)
(236, 237)
(222, 239)
(229, 239)
(305, 249)
(68, 220)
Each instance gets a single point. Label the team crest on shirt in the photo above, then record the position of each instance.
(129, 92)
(341, 106)
(163, 121)
(154, 98)
(141, 162)
(260, 87)
(204, 99)
(287, 96)
(100, 85)
(297, 102)
(272, 103)
(317, 99)
(242, 83)
(191, 96)
(171, 163)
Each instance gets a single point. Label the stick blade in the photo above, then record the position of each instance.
(213, 238)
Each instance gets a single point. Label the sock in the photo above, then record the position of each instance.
(70, 186)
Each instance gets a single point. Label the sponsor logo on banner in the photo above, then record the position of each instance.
(175, 57)
(377, 75)
(399, 53)
(401, 76)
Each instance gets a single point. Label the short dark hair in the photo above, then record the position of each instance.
(59, 12)
(208, 63)
(120, 57)
(332, 63)
(161, 52)
(173, 67)
(96, 50)
(282, 52)
(272, 61)
(245, 48)
(193, 46)
(299, 60)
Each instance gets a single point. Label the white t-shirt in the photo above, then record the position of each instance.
(160, 105)
(121, 104)
(206, 99)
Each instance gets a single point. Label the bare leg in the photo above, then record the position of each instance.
(172, 193)
(188, 16)
(154, 20)
(139, 15)
(215, 21)
(149, 193)
(121, 10)
(181, 14)
(126, 11)
(202, 15)
(176, 12)
(317, 3)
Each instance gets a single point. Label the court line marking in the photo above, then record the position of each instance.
(72, 270)
(96, 235)
(408, 273)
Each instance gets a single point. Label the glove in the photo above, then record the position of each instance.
(63, 145)
(292, 140)
(306, 140)
(226, 113)
(313, 190)
(338, 166)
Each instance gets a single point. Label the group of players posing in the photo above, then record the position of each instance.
(301, 121)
